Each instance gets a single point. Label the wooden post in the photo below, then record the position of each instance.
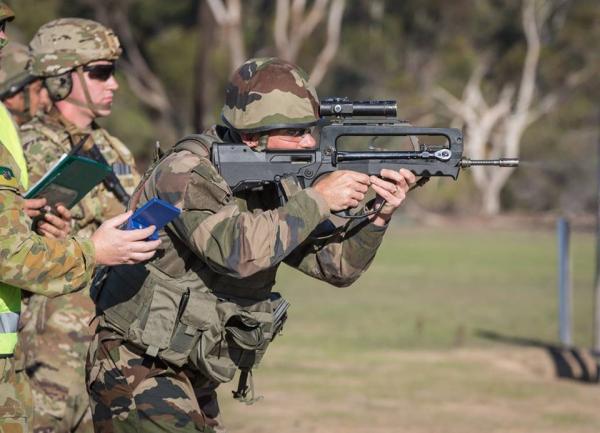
(564, 282)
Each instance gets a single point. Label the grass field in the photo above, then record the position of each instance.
(405, 348)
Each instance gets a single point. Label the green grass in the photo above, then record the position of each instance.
(433, 288)
(403, 344)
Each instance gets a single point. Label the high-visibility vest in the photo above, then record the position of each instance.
(10, 307)
(10, 138)
(10, 297)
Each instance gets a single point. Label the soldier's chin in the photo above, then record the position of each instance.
(104, 109)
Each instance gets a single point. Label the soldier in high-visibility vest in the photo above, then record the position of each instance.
(42, 265)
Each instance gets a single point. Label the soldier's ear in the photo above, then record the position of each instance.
(59, 87)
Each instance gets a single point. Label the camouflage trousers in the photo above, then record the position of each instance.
(16, 406)
(131, 392)
(55, 339)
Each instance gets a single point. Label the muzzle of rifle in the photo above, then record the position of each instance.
(502, 162)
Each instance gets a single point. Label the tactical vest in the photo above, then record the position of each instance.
(199, 319)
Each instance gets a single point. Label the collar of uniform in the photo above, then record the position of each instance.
(75, 133)
(71, 128)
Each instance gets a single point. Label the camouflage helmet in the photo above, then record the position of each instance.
(66, 43)
(13, 69)
(269, 93)
(6, 12)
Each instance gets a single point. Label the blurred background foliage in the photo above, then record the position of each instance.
(387, 50)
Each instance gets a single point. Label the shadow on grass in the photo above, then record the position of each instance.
(572, 363)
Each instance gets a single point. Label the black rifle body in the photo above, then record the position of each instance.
(242, 168)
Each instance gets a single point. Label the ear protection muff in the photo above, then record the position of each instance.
(59, 87)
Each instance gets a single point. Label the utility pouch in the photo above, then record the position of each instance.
(180, 321)
(237, 340)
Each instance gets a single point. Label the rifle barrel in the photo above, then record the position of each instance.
(502, 162)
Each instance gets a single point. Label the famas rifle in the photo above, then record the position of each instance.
(341, 118)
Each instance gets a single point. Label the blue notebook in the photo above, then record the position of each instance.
(155, 212)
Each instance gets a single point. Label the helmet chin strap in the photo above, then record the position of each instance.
(94, 108)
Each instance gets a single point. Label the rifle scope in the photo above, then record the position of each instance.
(343, 107)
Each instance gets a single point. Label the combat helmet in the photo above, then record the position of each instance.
(269, 93)
(6, 13)
(13, 70)
(68, 44)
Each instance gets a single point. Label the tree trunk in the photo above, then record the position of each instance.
(491, 196)
(205, 34)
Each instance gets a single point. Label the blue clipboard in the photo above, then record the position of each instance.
(155, 212)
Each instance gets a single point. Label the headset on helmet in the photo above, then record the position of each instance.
(59, 87)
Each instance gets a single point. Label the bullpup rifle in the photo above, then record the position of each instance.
(245, 169)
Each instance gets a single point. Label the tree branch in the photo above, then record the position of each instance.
(228, 17)
(334, 25)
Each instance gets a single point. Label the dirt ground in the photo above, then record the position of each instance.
(504, 389)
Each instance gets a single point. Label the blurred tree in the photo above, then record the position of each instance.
(293, 25)
(228, 14)
(178, 58)
(494, 131)
(143, 81)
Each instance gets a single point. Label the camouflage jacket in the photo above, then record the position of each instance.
(46, 137)
(28, 261)
(219, 260)
(241, 240)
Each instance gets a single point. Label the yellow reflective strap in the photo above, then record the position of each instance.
(10, 138)
(8, 341)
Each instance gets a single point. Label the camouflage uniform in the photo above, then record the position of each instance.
(228, 245)
(56, 332)
(46, 137)
(28, 261)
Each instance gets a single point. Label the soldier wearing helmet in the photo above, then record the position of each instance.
(21, 92)
(48, 267)
(172, 329)
(75, 60)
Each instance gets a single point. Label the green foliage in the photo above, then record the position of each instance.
(174, 49)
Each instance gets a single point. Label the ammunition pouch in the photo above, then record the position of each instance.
(182, 322)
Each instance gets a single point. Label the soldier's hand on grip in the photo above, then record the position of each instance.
(118, 247)
(392, 187)
(343, 189)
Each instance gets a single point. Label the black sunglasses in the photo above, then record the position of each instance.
(3, 25)
(100, 72)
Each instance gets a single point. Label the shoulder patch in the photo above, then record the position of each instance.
(7, 178)
(207, 183)
(208, 171)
